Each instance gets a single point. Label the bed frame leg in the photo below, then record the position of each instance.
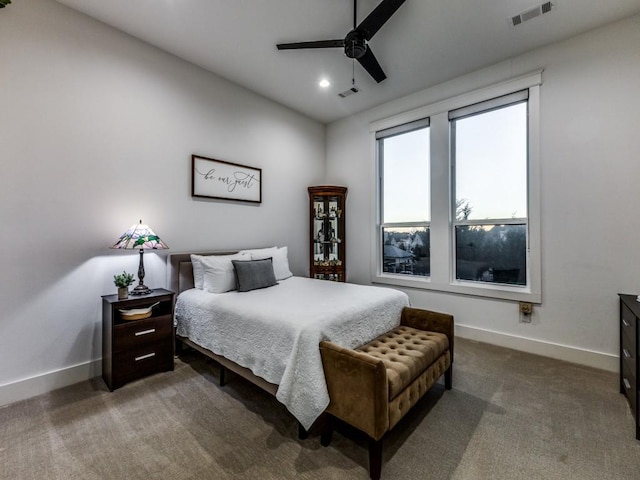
(179, 346)
(448, 378)
(327, 430)
(223, 376)
(375, 458)
(302, 433)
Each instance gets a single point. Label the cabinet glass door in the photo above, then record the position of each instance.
(327, 213)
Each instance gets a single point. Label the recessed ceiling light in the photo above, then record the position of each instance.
(324, 83)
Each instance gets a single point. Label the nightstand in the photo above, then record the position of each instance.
(133, 349)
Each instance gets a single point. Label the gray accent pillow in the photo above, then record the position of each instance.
(254, 274)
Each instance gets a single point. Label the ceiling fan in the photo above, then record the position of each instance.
(355, 43)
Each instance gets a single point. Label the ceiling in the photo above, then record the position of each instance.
(425, 43)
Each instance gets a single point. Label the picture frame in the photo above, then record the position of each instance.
(211, 178)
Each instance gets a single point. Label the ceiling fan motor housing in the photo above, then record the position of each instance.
(355, 45)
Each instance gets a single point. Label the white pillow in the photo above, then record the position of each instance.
(268, 252)
(198, 272)
(218, 273)
(280, 260)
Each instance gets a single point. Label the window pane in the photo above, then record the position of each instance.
(491, 163)
(492, 253)
(406, 250)
(406, 184)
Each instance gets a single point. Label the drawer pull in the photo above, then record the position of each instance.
(626, 353)
(627, 385)
(145, 332)
(625, 323)
(149, 355)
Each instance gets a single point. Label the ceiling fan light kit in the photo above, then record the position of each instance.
(355, 43)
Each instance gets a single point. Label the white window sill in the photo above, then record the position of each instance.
(477, 289)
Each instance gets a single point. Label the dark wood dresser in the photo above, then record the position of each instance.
(629, 329)
(132, 349)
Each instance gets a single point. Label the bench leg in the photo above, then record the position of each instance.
(375, 458)
(327, 430)
(448, 378)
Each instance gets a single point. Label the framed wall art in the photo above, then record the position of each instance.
(211, 178)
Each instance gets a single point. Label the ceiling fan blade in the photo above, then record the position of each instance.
(376, 19)
(316, 44)
(371, 65)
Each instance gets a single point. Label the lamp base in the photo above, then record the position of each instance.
(141, 290)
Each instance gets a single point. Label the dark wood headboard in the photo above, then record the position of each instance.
(180, 269)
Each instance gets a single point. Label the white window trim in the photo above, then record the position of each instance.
(441, 278)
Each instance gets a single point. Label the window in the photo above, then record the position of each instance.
(489, 158)
(403, 154)
(458, 194)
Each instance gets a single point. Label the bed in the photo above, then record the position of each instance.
(271, 336)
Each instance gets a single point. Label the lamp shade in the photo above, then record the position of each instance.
(140, 236)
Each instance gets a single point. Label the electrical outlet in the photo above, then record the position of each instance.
(526, 308)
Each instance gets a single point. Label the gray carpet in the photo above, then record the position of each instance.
(509, 416)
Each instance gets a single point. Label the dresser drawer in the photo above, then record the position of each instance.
(628, 349)
(628, 366)
(136, 333)
(630, 388)
(628, 322)
(142, 360)
(628, 356)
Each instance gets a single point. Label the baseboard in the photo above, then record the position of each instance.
(602, 361)
(30, 387)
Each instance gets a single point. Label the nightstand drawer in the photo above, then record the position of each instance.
(141, 361)
(142, 332)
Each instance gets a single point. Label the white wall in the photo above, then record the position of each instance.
(590, 174)
(96, 132)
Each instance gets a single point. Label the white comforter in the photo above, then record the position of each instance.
(275, 331)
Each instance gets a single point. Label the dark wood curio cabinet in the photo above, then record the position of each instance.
(327, 232)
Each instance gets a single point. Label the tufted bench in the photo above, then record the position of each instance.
(372, 387)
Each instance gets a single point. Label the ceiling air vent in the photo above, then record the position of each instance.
(346, 93)
(531, 13)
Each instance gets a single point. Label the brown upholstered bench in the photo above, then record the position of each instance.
(372, 387)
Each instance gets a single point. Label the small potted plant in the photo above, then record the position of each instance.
(123, 281)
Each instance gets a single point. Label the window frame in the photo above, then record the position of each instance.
(382, 135)
(480, 108)
(441, 227)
